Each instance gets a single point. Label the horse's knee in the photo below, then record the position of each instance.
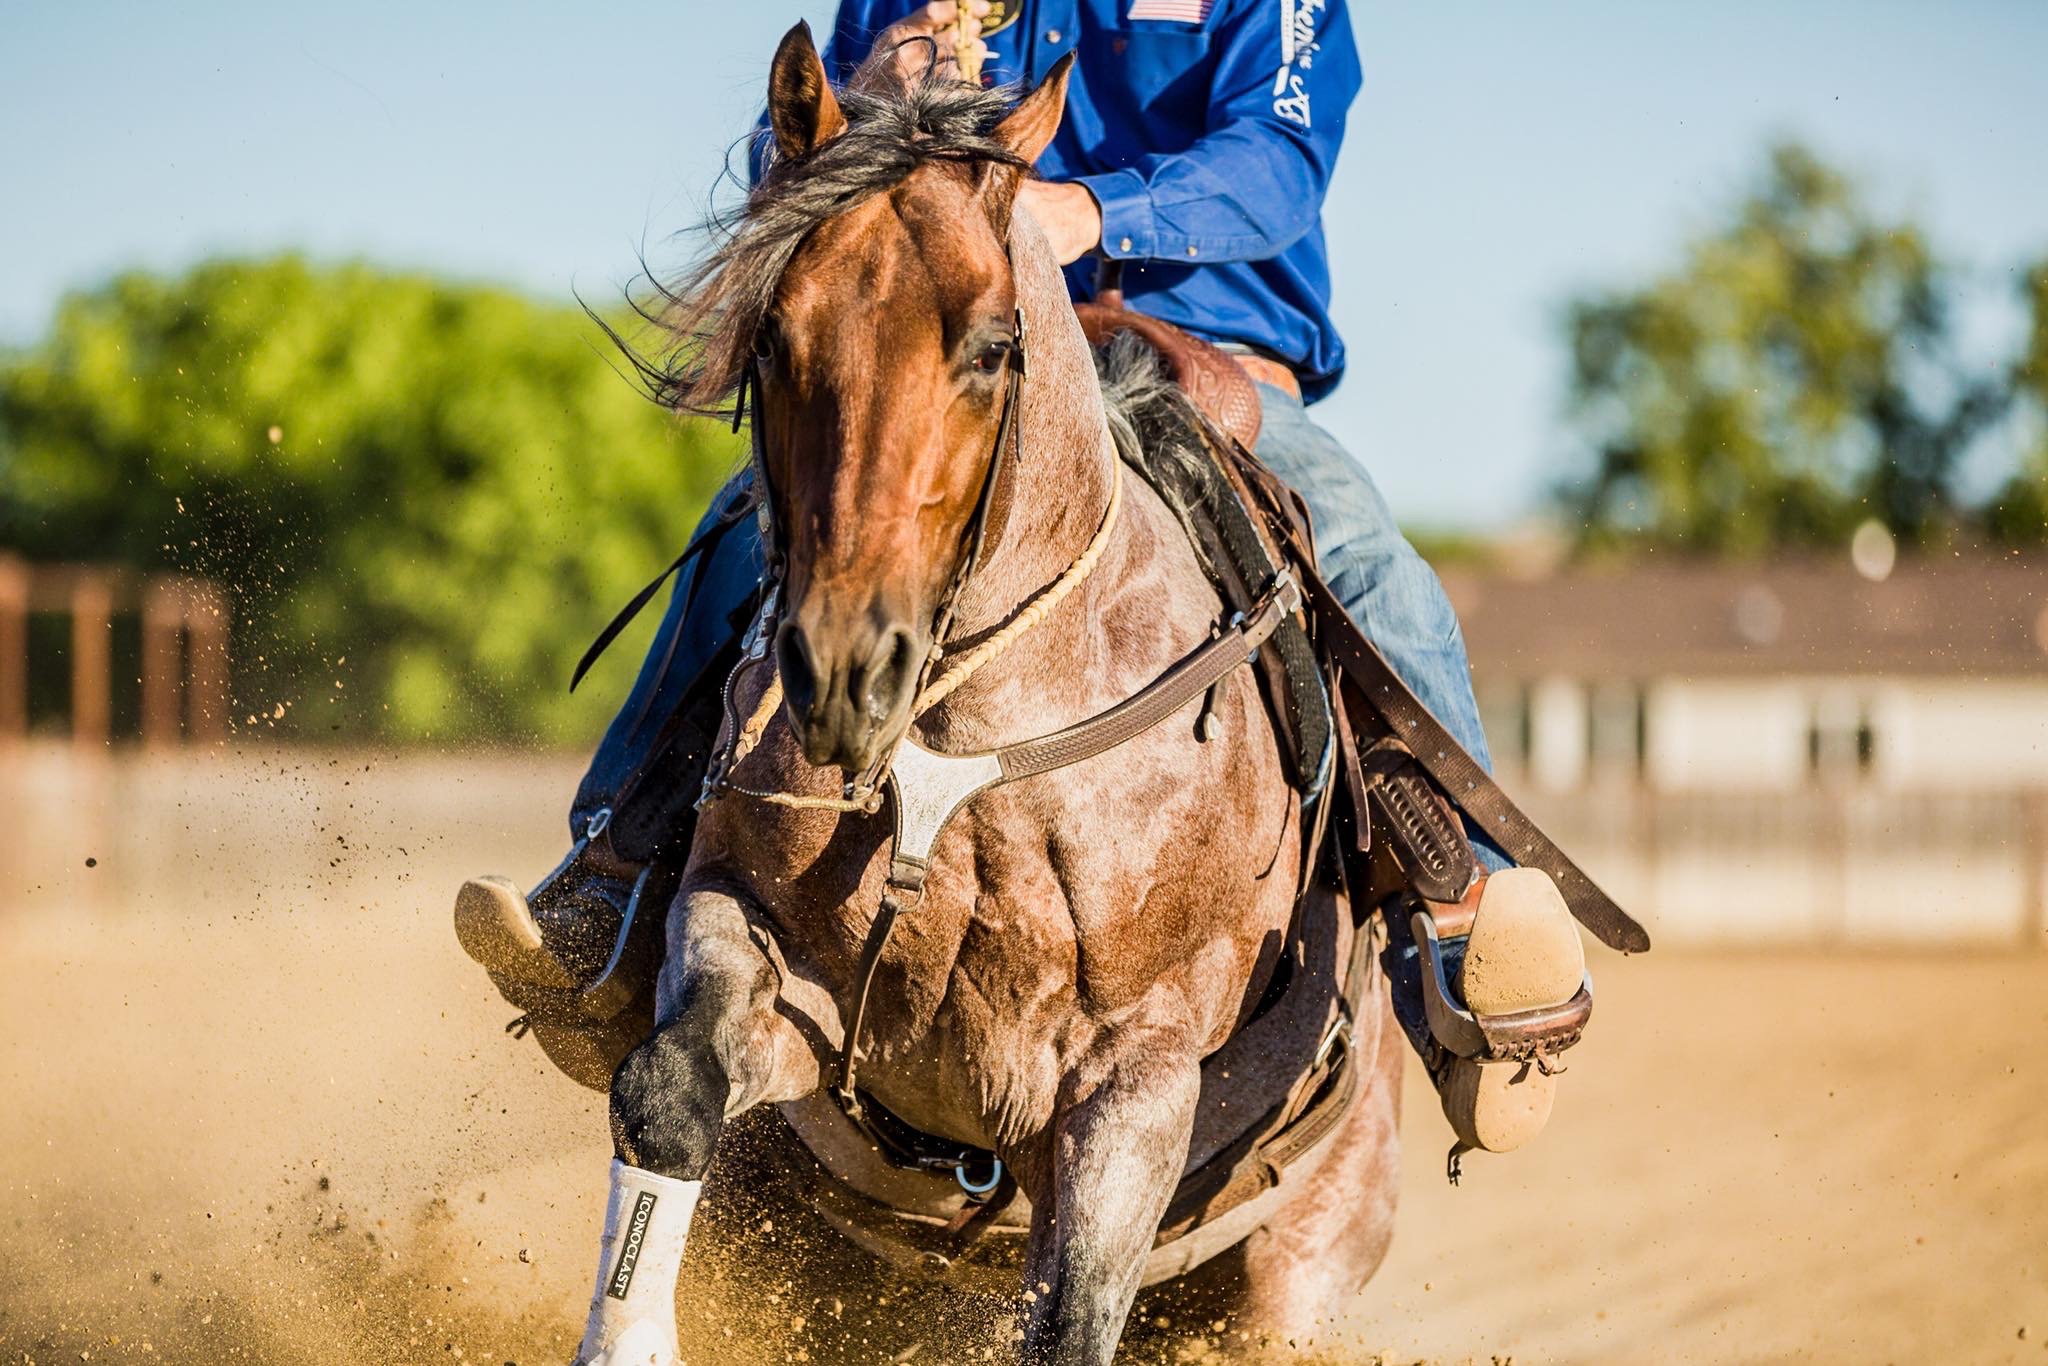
(668, 1105)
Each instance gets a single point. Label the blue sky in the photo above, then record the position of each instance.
(1501, 157)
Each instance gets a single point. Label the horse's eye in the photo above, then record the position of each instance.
(764, 343)
(991, 358)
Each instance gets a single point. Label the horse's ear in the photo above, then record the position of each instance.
(1028, 129)
(802, 110)
(1025, 133)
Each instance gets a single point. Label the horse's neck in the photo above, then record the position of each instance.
(1061, 472)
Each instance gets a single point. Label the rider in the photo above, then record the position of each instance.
(1197, 146)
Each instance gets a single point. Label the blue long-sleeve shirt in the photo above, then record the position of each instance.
(1207, 130)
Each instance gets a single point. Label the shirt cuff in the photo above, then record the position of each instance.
(1126, 203)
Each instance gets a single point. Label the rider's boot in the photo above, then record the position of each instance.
(1486, 969)
(1518, 957)
(579, 954)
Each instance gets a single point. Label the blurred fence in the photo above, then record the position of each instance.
(237, 831)
(99, 652)
(260, 829)
(1845, 865)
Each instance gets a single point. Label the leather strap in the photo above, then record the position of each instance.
(1197, 672)
(703, 543)
(1159, 699)
(1468, 786)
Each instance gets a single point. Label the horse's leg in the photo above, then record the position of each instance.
(720, 1045)
(1289, 1283)
(1118, 1142)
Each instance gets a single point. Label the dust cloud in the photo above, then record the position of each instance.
(255, 1106)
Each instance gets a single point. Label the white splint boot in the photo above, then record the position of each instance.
(633, 1309)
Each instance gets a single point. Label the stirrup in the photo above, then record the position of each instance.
(1497, 988)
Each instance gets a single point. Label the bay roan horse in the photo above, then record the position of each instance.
(1086, 937)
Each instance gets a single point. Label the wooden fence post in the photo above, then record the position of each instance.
(206, 637)
(13, 649)
(92, 629)
(163, 663)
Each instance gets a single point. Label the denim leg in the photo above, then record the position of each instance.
(1388, 588)
(686, 642)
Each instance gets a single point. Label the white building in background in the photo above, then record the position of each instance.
(1724, 678)
(1786, 754)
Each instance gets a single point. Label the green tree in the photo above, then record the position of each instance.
(1792, 378)
(2019, 516)
(422, 497)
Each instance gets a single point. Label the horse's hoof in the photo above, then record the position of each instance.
(496, 927)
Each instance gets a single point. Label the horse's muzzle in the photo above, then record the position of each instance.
(848, 691)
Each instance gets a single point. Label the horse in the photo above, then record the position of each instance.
(1085, 939)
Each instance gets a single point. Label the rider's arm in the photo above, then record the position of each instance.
(1253, 183)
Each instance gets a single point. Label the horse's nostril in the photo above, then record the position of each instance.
(890, 674)
(799, 675)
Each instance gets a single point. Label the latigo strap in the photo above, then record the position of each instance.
(1468, 786)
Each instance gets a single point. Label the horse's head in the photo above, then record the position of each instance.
(881, 356)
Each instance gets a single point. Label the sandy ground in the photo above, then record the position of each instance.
(259, 1112)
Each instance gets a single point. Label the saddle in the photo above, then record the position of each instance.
(1402, 771)
(1210, 377)
(1173, 455)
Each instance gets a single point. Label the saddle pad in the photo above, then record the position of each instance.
(1178, 456)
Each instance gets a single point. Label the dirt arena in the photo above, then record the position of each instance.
(255, 1106)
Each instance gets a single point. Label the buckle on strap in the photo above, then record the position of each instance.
(1338, 1033)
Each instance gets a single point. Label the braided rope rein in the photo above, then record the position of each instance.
(966, 33)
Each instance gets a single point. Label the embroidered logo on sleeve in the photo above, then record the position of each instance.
(1184, 11)
(1297, 54)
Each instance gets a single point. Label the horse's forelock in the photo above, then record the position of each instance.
(709, 320)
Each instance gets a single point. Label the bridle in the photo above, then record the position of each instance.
(862, 791)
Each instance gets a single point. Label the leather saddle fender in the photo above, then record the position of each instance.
(1408, 742)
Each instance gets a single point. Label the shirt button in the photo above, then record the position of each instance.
(1052, 35)
(1191, 251)
(1124, 245)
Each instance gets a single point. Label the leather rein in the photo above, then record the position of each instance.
(928, 786)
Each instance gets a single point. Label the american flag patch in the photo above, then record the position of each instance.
(1185, 11)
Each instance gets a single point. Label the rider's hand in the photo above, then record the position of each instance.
(935, 22)
(1068, 213)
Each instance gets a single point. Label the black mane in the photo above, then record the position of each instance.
(708, 321)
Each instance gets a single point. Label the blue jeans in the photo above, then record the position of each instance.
(1387, 587)
(708, 592)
